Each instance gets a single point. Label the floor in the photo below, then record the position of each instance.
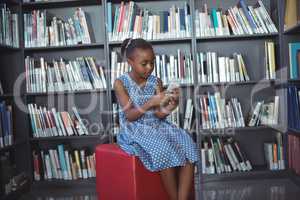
(271, 189)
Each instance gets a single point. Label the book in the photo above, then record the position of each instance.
(294, 49)
(291, 16)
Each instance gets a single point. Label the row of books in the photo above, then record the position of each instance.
(83, 73)
(294, 58)
(212, 68)
(293, 107)
(62, 163)
(237, 20)
(129, 20)
(50, 123)
(9, 27)
(167, 67)
(187, 122)
(215, 113)
(174, 67)
(292, 13)
(274, 154)
(11, 179)
(265, 113)
(293, 153)
(67, 196)
(6, 125)
(74, 30)
(223, 155)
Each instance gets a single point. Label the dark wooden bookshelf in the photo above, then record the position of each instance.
(237, 37)
(238, 43)
(59, 4)
(241, 83)
(8, 47)
(48, 184)
(16, 194)
(257, 173)
(67, 92)
(293, 30)
(55, 48)
(294, 131)
(222, 131)
(158, 41)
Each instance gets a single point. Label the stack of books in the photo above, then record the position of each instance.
(63, 163)
(216, 114)
(237, 20)
(214, 69)
(223, 155)
(265, 113)
(9, 27)
(49, 123)
(274, 154)
(81, 74)
(75, 30)
(131, 21)
(167, 67)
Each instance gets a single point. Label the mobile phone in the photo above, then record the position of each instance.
(172, 86)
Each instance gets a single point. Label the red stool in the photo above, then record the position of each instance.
(121, 176)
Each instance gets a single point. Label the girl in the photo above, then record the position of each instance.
(145, 132)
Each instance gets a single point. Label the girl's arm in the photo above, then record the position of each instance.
(132, 113)
(164, 111)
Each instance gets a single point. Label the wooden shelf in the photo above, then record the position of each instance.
(256, 173)
(222, 131)
(8, 47)
(59, 4)
(242, 83)
(18, 193)
(158, 41)
(65, 48)
(79, 183)
(67, 92)
(293, 30)
(237, 37)
(58, 138)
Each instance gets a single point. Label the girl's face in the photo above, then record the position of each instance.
(142, 62)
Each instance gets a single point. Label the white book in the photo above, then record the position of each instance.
(222, 69)
(48, 167)
(68, 165)
(215, 67)
(276, 110)
(255, 114)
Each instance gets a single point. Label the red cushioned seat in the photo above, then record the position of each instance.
(121, 176)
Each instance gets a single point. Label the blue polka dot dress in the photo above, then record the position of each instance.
(158, 143)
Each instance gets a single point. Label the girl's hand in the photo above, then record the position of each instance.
(159, 99)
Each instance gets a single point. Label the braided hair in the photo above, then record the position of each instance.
(129, 45)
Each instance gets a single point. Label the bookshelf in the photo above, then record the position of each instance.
(251, 139)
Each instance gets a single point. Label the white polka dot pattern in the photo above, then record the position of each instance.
(158, 143)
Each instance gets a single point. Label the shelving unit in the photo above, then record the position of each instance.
(251, 46)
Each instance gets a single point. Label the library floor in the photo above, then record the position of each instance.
(271, 189)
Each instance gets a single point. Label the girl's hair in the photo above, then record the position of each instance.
(129, 45)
